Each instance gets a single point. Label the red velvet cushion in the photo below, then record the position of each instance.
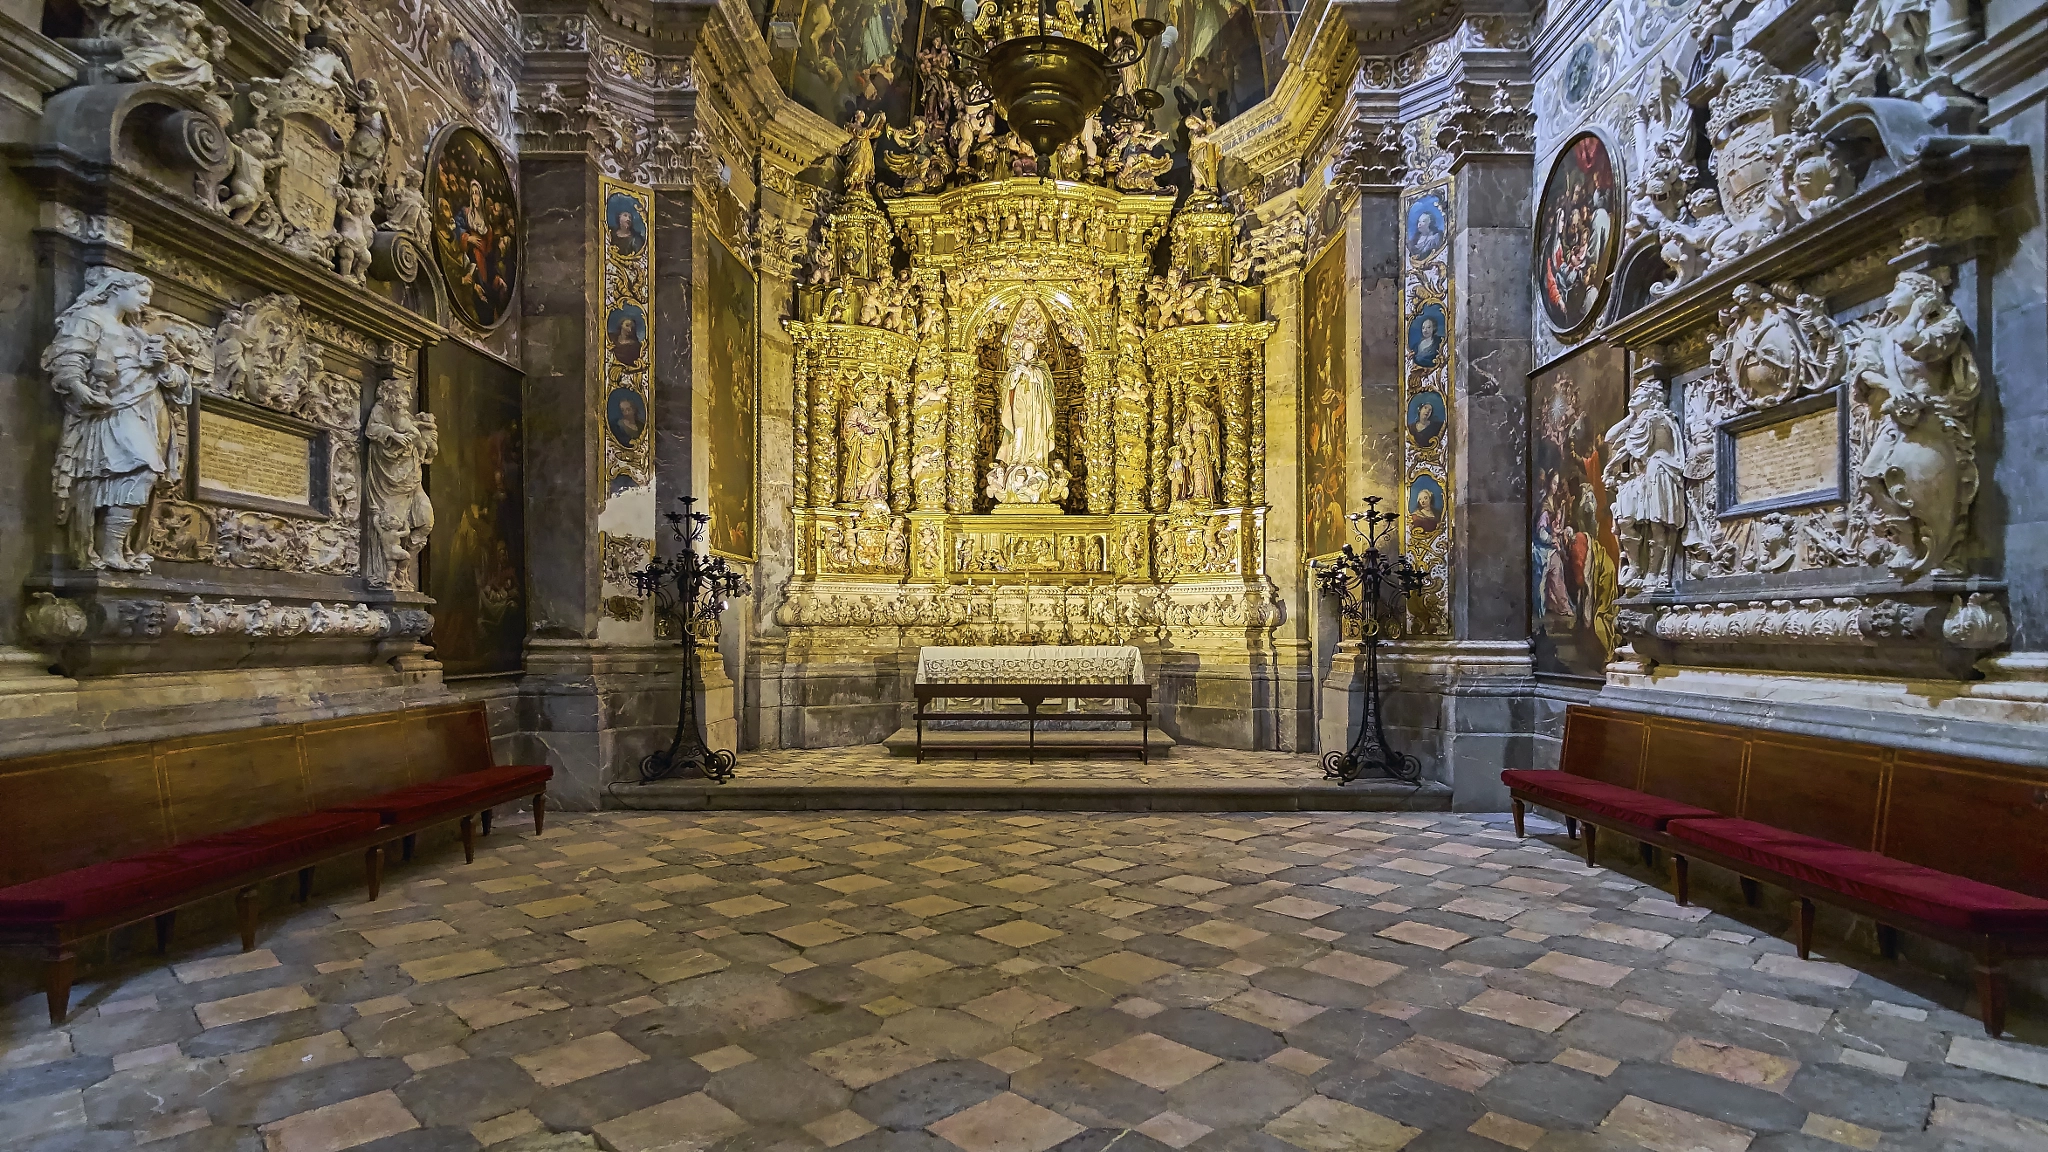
(451, 796)
(1610, 801)
(154, 877)
(1923, 893)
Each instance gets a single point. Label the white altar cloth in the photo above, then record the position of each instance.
(1031, 664)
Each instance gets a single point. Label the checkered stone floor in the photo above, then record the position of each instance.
(988, 983)
(870, 763)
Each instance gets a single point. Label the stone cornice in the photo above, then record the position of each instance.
(1286, 127)
(1390, 27)
(32, 65)
(2009, 67)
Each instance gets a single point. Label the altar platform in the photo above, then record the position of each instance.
(1191, 779)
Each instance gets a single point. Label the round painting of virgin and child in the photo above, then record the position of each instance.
(1578, 226)
(476, 226)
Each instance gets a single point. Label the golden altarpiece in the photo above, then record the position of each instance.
(1009, 428)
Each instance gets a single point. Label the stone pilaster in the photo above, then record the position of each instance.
(1290, 725)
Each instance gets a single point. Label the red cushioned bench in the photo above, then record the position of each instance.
(117, 835)
(1951, 848)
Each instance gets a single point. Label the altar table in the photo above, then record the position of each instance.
(1031, 664)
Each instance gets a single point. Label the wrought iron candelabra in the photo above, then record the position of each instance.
(694, 590)
(1359, 583)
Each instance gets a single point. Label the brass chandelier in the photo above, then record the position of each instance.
(1046, 65)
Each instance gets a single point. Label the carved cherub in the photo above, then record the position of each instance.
(1686, 245)
(254, 158)
(405, 207)
(353, 232)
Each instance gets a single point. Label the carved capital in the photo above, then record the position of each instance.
(1372, 156)
(1482, 122)
(553, 121)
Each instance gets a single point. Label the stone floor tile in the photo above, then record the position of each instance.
(579, 1058)
(1154, 1061)
(1566, 966)
(1653, 906)
(172, 1124)
(1019, 933)
(867, 1060)
(749, 905)
(1130, 967)
(1297, 907)
(253, 1006)
(1641, 938)
(839, 1127)
(1739, 1065)
(719, 1059)
(1992, 1126)
(434, 1058)
(1507, 1130)
(1173, 1130)
(1268, 1009)
(1006, 1123)
(1662, 1128)
(1841, 1132)
(1223, 933)
(343, 1125)
(907, 965)
(1771, 1010)
(452, 966)
(1012, 1059)
(1320, 1124)
(1451, 1065)
(1484, 909)
(814, 933)
(1015, 1007)
(696, 1118)
(2000, 1059)
(1423, 935)
(1872, 1062)
(1139, 1007)
(1524, 1011)
(1193, 885)
(1352, 967)
(1297, 1061)
(194, 971)
(1588, 1062)
(25, 1119)
(927, 906)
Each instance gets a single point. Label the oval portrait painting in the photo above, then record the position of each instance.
(1578, 225)
(476, 226)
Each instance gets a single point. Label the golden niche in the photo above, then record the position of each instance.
(1008, 429)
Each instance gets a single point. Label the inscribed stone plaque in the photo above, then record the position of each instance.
(244, 458)
(1795, 457)
(305, 185)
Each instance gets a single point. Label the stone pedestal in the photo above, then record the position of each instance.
(717, 701)
(1463, 708)
(594, 710)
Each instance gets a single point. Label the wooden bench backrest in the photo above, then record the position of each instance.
(71, 809)
(1976, 818)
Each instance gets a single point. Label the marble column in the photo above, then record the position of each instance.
(1289, 716)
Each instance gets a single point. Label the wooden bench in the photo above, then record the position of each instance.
(110, 836)
(1952, 848)
(1034, 696)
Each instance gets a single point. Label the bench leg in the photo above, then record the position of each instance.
(469, 840)
(305, 885)
(1592, 838)
(1571, 828)
(1681, 877)
(164, 923)
(1805, 936)
(1516, 804)
(1991, 994)
(1648, 852)
(1888, 941)
(485, 818)
(406, 846)
(540, 812)
(1751, 891)
(373, 869)
(58, 969)
(245, 917)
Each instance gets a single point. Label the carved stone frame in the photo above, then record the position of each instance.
(320, 500)
(1726, 432)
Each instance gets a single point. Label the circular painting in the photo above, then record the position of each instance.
(467, 70)
(1577, 231)
(1578, 73)
(476, 225)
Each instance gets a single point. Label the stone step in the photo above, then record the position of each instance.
(1012, 743)
(1102, 793)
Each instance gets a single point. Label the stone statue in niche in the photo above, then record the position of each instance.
(401, 444)
(1024, 407)
(864, 442)
(1912, 366)
(1199, 440)
(1777, 345)
(1645, 474)
(117, 381)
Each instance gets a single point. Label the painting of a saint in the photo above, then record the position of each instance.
(625, 413)
(1325, 461)
(1426, 335)
(625, 224)
(1425, 418)
(1212, 53)
(850, 56)
(1577, 230)
(1574, 554)
(476, 226)
(1426, 227)
(626, 330)
(476, 558)
(729, 397)
(1425, 505)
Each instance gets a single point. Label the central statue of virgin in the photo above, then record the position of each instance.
(1023, 467)
(1027, 411)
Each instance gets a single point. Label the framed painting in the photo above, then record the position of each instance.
(1578, 231)
(1325, 463)
(730, 398)
(1574, 559)
(476, 558)
(477, 243)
